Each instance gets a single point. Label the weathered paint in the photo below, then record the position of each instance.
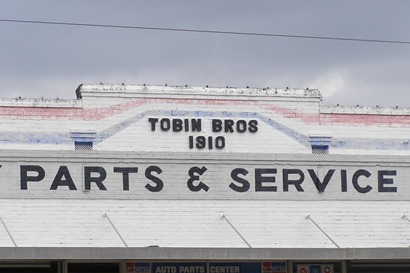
(291, 113)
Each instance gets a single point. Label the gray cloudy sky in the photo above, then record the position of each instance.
(51, 61)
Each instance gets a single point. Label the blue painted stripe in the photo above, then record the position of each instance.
(302, 139)
(35, 138)
(65, 138)
(378, 144)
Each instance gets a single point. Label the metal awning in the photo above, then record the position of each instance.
(273, 226)
(159, 253)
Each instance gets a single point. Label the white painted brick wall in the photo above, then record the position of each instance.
(177, 217)
(197, 223)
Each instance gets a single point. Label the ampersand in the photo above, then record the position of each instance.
(194, 177)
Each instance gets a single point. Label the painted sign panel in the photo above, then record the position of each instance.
(208, 131)
(132, 177)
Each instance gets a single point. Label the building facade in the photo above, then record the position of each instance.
(180, 179)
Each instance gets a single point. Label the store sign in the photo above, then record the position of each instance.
(154, 178)
(195, 125)
(263, 180)
(237, 180)
(206, 267)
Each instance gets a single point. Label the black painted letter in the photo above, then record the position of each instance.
(343, 178)
(260, 178)
(321, 186)
(125, 176)
(355, 181)
(153, 121)
(216, 125)
(97, 180)
(59, 181)
(156, 180)
(389, 181)
(297, 182)
(245, 183)
(24, 178)
(253, 126)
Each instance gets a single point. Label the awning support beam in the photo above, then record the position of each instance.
(327, 235)
(405, 217)
(8, 232)
(115, 229)
(223, 216)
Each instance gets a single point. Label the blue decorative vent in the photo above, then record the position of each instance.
(318, 149)
(83, 139)
(320, 144)
(83, 146)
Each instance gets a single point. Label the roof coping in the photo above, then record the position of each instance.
(364, 110)
(95, 89)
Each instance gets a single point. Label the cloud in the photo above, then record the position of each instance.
(44, 60)
(329, 84)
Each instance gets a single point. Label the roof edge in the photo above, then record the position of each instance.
(159, 253)
(126, 90)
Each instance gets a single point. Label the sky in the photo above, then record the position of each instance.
(51, 61)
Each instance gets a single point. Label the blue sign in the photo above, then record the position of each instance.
(206, 267)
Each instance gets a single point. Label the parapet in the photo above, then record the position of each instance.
(126, 90)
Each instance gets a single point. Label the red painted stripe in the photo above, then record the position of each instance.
(67, 113)
(26, 113)
(365, 119)
(104, 112)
